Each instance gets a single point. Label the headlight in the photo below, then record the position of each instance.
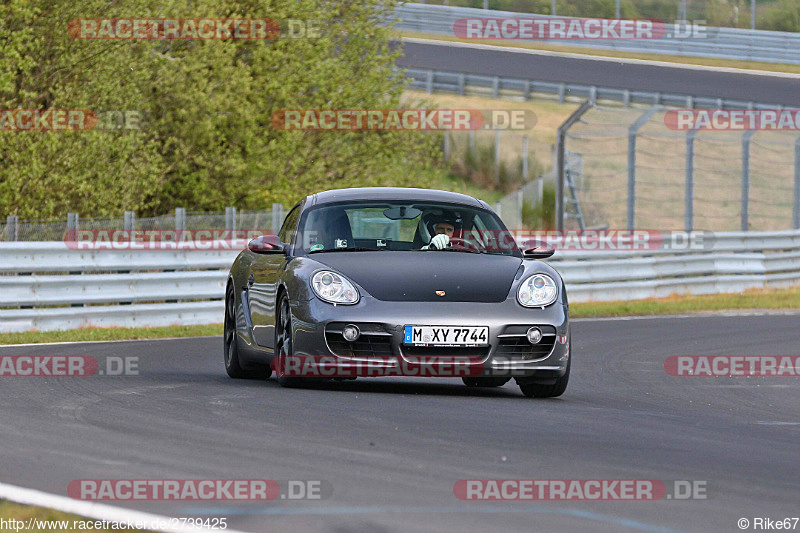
(333, 288)
(538, 290)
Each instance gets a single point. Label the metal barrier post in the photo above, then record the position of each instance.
(632, 132)
(129, 220)
(746, 178)
(560, 162)
(689, 200)
(277, 218)
(72, 222)
(180, 218)
(12, 228)
(230, 218)
(524, 158)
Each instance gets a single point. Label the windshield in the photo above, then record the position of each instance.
(403, 226)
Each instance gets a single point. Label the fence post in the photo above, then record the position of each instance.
(689, 206)
(461, 83)
(519, 206)
(230, 218)
(446, 149)
(497, 155)
(180, 218)
(12, 228)
(561, 136)
(277, 218)
(796, 213)
(72, 222)
(553, 7)
(429, 82)
(129, 220)
(746, 178)
(496, 87)
(524, 158)
(633, 130)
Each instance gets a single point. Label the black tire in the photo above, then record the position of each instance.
(284, 342)
(233, 365)
(535, 390)
(485, 382)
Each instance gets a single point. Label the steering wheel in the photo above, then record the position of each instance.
(460, 243)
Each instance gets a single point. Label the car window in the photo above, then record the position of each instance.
(399, 226)
(289, 228)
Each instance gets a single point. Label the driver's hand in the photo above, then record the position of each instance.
(439, 242)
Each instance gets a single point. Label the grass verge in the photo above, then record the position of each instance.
(688, 60)
(756, 299)
(110, 334)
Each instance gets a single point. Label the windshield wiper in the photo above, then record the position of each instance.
(348, 249)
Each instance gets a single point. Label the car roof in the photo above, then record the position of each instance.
(390, 194)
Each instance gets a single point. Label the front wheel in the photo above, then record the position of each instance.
(284, 342)
(535, 390)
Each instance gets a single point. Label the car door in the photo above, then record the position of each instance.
(262, 285)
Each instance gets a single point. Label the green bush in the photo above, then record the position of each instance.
(208, 139)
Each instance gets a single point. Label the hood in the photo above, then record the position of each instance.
(416, 276)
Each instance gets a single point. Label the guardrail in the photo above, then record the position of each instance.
(49, 286)
(501, 87)
(721, 43)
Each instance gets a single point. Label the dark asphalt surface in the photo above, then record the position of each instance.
(393, 448)
(613, 74)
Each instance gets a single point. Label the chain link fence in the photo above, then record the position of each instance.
(14, 229)
(637, 172)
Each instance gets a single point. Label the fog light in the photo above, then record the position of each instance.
(351, 333)
(534, 335)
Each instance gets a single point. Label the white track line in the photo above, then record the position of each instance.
(95, 511)
(628, 60)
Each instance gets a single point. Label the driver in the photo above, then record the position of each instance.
(442, 229)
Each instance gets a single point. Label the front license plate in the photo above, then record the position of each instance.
(446, 336)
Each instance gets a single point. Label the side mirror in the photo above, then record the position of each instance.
(266, 244)
(537, 251)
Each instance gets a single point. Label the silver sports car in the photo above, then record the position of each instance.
(393, 281)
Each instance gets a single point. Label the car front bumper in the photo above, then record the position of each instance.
(317, 332)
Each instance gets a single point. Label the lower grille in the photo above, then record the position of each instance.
(516, 345)
(373, 342)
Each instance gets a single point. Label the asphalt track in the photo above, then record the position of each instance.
(603, 72)
(392, 448)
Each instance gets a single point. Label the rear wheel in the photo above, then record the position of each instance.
(536, 390)
(485, 382)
